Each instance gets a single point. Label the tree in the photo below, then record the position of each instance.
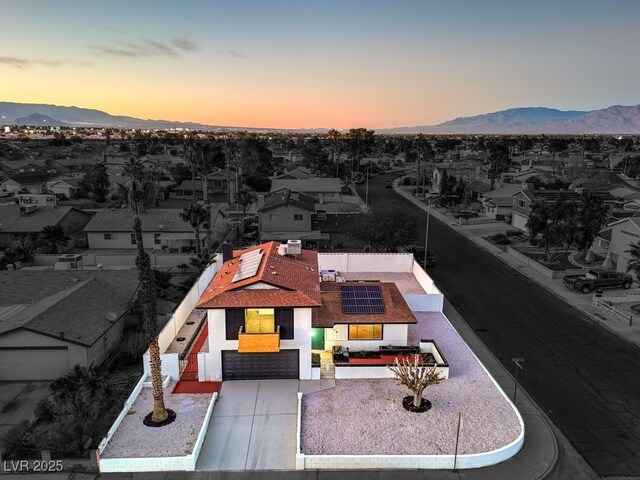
(634, 262)
(333, 136)
(360, 143)
(96, 182)
(384, 228)
(53, 235)
(552, 225)
(315, 158)
(244, 198)
(195, 215)
(415, 376)
(147, 295)
(498, 161)
(592, 214)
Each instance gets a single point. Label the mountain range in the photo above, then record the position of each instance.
(529, 120)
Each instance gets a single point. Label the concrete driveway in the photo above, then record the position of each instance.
(253, 427)
(17, 402)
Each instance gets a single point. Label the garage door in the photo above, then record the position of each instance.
(519, 221)
(259, 366)
(33, 363)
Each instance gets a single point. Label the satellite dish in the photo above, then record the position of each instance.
(111, 316)
(160, 226)
(99, 265)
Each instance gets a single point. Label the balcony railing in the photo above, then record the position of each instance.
(258, 342)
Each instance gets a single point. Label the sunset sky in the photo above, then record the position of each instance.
(328, 64)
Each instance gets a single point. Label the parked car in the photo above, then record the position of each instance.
(388, 184)
(596, 279)
(465, 214)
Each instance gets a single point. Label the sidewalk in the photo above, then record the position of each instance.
(584, 303)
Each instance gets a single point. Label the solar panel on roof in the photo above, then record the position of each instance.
(361, 299)
(249, 264)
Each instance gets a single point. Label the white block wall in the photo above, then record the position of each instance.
(420, 302)
(160, 464)
(366, 262)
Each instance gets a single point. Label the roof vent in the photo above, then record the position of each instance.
(282, 249)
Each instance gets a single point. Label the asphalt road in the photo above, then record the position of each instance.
(586, 378)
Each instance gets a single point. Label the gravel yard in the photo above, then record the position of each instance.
(134, 440)
(366, 417)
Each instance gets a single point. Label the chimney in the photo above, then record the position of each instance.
(227, 251)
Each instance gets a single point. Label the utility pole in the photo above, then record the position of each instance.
(518, 361)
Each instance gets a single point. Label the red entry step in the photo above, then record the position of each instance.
(197, 387)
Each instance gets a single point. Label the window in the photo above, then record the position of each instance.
(133, 239)
(108, 236)
(365, 331)
(522, 204)
(321, 215)
(259, 320)
(284, 320)
(234, 319)
(298, 217)
(156, 238)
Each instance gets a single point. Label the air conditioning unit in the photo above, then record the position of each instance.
(294, 247)
(328, 275)
(73, 259)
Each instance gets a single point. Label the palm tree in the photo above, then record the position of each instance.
(195, 215)
(333, 136)
(147, 293)
(52, 236)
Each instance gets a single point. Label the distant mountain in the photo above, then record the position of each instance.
(40, 120)
(22, 114)
(533, 120)
(530, 120)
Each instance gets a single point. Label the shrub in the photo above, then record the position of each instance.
(315, 359)
(500, 239)
(408, 181)
(514, 233)
(16, 441)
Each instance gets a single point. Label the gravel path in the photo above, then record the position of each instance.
(366, 417)
(134, 440)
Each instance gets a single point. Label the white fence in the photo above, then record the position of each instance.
(626, 318)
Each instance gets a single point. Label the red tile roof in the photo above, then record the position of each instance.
(296, 281)
(396, 309)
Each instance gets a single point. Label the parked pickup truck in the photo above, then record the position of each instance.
(595, 279)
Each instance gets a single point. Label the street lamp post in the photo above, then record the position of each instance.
(426, 235)
(518, 361)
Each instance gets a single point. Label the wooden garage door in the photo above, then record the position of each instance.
(44, 363)
(260, 366)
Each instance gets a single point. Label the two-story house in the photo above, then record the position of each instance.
(524, 198)
(287, 214)
(266, 303)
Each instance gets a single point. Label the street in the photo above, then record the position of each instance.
(585, 377)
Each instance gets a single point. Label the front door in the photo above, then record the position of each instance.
(317, 338)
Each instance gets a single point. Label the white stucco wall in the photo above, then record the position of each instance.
(392, 334)
(218, 342)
